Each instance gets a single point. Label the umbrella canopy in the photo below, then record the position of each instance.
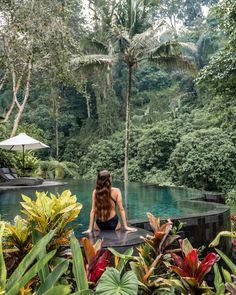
(22, 142)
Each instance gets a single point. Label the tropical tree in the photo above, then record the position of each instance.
(134, 40)
(157, 43)
(33, 38)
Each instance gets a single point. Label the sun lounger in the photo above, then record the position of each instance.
(12, 179)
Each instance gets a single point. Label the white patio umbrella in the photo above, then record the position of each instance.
(22, 142)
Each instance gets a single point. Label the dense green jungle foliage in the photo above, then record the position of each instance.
(182, 123)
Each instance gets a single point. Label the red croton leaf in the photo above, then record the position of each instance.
(190, 269)
(191, 262)
(205, 266)
(178, 260)
(99, 267)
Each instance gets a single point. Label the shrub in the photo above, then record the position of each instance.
(204, 159)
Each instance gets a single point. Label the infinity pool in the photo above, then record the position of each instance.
(161, 201)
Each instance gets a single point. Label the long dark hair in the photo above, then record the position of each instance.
(103, 195)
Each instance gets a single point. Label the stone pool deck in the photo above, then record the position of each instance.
(120, 239)
(46, 183)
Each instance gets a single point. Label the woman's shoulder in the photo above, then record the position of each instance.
(115, 190)
(93, 193)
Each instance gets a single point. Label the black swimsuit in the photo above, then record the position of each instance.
(109, 224)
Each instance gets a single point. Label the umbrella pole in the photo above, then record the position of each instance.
(23, 159)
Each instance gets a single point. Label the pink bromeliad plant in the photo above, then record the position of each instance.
(191, 270)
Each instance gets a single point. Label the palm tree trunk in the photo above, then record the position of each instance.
(88, 104)
(57, 138)
(127, 126)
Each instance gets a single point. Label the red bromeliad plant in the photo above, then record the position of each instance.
(191, 270)
(95, 262)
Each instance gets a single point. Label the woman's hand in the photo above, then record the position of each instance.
(132, 229)
(88, 231)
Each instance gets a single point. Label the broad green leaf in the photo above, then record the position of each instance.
(83, 292)
(226, 275)
(14, 290)
(61, 289)
(127, 255)
(43, 273)
(218, 283)
(226, 259)
(78, 265)
(111, 283)
(53, 277)
(3, 271)
(28, 259)
(216, 241)
(177, 284)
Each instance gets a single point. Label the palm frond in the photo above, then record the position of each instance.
(165, 49)
(120, 39)
(189, 45)
(97, 45)
(177, 62)
(92, 60)
(154, 31)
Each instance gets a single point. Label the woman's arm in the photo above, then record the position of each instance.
(92, 214)
(122, 212)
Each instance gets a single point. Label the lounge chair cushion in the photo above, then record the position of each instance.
(12, 179)
(9, 176)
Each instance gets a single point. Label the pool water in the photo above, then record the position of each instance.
(160, 201)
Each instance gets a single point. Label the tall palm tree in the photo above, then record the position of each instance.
(133, 40)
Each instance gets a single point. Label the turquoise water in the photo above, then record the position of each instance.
(161, 201)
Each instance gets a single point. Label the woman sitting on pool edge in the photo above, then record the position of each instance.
(104, 200)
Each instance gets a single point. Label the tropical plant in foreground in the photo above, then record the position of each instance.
(121, 259)
(50, 212)
(112, 282)
(191, 270)
(17, 242)
(79, 272)
(151, 267)
(28, 269)
(95, 261)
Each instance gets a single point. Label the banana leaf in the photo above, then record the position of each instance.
(218, 282)
(53, 277)
(60, 289)
(28, 260)
(226, 259)
(78, 265)
(3, 271)
(14, 290)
